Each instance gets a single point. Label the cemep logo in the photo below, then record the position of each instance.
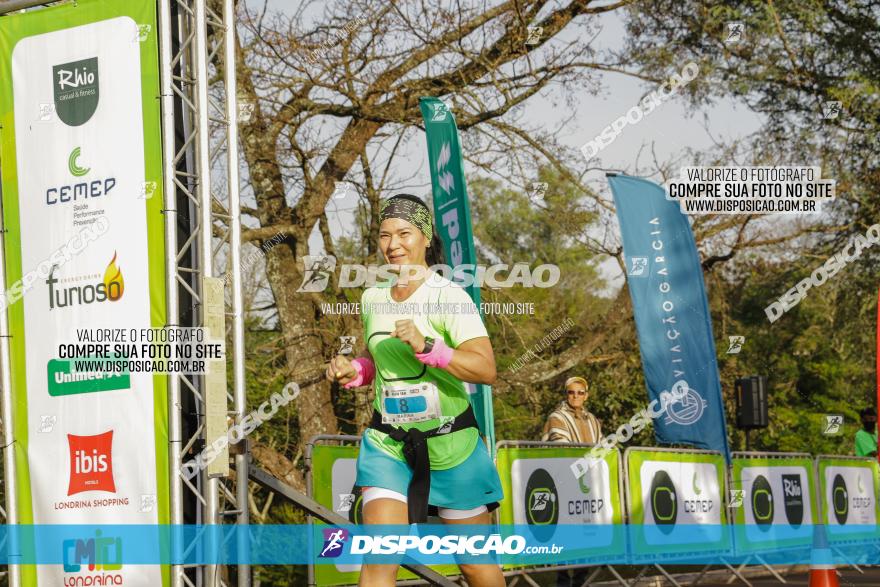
(664, 503)
(334, 542)
(75, 88)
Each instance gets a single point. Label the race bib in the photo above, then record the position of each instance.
(406, 404)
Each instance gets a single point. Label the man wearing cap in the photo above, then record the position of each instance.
(570, 421)
(866, 438)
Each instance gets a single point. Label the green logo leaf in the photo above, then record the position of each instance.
(75, 169)
(696, 487)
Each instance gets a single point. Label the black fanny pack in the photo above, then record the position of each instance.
(415, 451)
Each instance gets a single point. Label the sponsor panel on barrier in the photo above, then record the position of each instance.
(78, 87)
(676, 502)
(848, 488)
(543, 496)
(777, 506)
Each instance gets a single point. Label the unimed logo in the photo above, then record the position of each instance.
(91, 463)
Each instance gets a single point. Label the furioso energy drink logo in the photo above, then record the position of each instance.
(762, 502)
(334, 541)
(840, 499)
(793, 498)
(91, 463)
(75, 87)
(110, 289)
(664, 502)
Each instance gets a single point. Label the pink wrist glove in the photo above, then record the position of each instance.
(366, 370)
(440, 356)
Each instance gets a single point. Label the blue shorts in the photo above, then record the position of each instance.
(470, 484)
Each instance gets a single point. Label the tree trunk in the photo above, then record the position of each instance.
(303, 343)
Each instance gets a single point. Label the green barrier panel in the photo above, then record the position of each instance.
(332, 485)
(848, 489)
(540, 491)
(670, 488)
(773, 496)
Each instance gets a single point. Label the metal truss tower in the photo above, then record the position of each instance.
(202, 224)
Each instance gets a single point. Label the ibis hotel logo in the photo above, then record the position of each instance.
(664, 501)
(75, 88)
(91, 463)
(109, 287)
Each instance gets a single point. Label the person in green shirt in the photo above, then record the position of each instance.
(866, 438)
(425, 341)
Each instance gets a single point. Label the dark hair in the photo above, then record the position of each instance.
(869, 411)
(434, 255)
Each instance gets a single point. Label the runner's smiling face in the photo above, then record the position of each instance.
(402, 243)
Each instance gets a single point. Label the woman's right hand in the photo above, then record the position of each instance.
(340, 369)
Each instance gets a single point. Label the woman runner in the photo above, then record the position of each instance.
(424, 342)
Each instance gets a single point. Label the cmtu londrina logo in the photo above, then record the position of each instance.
(110, 289)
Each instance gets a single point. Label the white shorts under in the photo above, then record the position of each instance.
(372, 493)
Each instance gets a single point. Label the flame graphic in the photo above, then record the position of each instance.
(113, 276)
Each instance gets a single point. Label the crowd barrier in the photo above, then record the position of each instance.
(648, 505)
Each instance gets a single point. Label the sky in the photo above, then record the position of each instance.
(669, 128)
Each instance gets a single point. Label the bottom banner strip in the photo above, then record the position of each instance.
(110, 546)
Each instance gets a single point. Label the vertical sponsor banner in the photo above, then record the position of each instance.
(848, 490)
(334, 470)
(773, 500)
(675, 503)
(665, 281)
(453, 219)
(543, 497)
(82, 198)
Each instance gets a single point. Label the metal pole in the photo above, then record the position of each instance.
(204, 197)
(9, 469)
(13, 5)
(171, 303)
(238, 352)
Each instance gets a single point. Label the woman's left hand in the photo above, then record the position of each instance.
(407, 331)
